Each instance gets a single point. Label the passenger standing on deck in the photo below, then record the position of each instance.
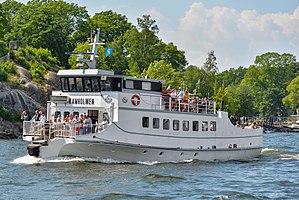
(72, 124)
(42, 118)
(173, 96)
(81, 123)
(35, 118)
(66, 119)
(77, 123)
(180, 94)
(86, 124)
(25, 116)
(166, 97)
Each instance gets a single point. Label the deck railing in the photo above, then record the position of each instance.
(65, 129)
(190, 105)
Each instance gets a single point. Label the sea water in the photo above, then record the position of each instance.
(273, 175)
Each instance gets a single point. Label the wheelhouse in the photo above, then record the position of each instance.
(94, 80)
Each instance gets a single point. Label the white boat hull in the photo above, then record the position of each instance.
(133, 153)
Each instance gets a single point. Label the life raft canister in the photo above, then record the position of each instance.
(135, 99)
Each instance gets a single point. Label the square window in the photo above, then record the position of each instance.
(195, 126)
(145, 122)
(166, 123)
(146, 86)
(176, 125)
(213, 126)
(156, 123)
(204, 126)
(129, 84)
(185, 125)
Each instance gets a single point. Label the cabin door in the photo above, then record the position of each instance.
(94, 115)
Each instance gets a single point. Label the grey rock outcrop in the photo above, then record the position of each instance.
(29, 96)
(10, 130)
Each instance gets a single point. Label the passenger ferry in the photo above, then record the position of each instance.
(133, 122)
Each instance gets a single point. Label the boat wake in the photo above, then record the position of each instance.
(289, 157)
(31, 160)
(280, 154)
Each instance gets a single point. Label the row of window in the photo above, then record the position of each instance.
(176, 124)
(103, 83)
(90, 84)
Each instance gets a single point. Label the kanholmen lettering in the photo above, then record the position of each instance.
(81, 101)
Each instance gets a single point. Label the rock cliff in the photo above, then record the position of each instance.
(28, 96)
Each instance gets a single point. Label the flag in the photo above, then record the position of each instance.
(108, 51)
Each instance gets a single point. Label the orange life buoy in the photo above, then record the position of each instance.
(135, 99)
(184, 104)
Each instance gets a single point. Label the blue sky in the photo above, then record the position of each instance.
(237, 30)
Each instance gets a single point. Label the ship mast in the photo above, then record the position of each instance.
(91, 62)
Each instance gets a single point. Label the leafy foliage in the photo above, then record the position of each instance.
(9, 115)
(162, 70)
(37, 61)
(48, 24)
(3, 49)
(3, 75)
(292, 99)
(112, 25)
(210, 66)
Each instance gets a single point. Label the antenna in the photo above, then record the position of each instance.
(91, 63)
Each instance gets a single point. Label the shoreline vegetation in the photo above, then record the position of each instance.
(35, 36)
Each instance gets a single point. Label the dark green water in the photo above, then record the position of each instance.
(274, 175)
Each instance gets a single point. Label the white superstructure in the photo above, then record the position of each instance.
(132, 121)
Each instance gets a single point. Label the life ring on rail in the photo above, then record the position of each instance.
(135, 99)
(184, 104)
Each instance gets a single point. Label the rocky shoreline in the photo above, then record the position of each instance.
(28, 96)
(10, 130)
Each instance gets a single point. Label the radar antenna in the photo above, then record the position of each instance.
(91, 62)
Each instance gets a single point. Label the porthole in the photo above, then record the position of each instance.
(250, 144)
(145, 151)
(195, 154)
(201, 147)
(161, 153)
(214, 147)
(182, 153)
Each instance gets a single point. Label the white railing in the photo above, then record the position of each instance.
(51, 130)
(190, 105)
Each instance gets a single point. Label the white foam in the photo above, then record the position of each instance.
(289, 157)
(28, 160)
(268, 150)
(147, 163)
(65, 159)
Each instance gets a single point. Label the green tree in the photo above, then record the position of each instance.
(170, 53)
(210, 65)
(147, 24)
(268, 79)
(231, 77)
(162, 70)
(192, 76)
(111, 24)
(8, 11)
(49, 24)
(140, 47)
(292, 99)
(3, 23)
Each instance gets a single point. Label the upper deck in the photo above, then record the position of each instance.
(96, 80)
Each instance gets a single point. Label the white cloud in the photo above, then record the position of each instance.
(237, 37)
